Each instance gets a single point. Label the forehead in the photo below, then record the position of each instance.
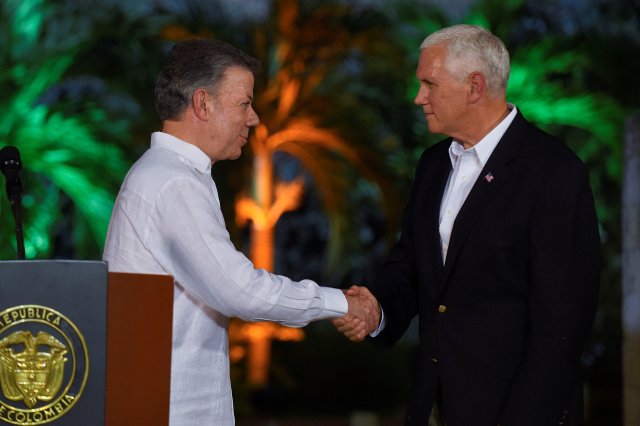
(236, 80)
(431, 61)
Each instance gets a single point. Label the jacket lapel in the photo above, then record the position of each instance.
(494, 174)
(432, 208)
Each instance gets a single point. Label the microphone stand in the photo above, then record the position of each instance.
(10, 165)
(16, 208)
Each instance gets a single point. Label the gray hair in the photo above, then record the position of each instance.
(471, 48)
(195, 64)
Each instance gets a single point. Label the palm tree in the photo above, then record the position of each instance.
(68, 165)
(303, 54)
(300, 58)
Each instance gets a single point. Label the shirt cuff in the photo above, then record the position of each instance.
(335, 302)
(378, 330)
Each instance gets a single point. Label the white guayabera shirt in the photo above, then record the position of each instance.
(167, 220)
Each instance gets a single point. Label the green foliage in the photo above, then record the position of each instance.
(62, 156)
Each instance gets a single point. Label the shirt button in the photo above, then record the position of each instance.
(442, 309)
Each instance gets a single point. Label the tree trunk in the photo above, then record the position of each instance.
(262, 247)
(631, 271)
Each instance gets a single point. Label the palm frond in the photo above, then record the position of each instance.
(61, 153)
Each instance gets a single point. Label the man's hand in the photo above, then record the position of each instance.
(363, 316)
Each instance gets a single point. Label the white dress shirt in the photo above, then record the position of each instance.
(467, 165)
(167, 220)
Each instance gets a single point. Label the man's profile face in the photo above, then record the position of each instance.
(232, 115)
(441, 96)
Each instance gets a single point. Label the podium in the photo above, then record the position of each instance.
(82, 346)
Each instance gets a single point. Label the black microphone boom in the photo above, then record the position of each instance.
(10, 165)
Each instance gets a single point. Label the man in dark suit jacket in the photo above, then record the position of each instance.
(498, 253)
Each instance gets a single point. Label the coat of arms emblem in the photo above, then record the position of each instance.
(31, 367)
(44, 365)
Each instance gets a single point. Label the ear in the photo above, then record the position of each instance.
(478, 86)
(199, 104)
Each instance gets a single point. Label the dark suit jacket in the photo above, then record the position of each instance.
(504, 321)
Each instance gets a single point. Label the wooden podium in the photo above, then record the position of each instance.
(82, 346)
(140, 310)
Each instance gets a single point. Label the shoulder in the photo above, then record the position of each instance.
(159, 170)
(435, 153)
(539, 146)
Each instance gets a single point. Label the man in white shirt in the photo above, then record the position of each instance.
(167, 220)
(498, 253)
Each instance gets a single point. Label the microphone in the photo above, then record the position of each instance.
(10, 165)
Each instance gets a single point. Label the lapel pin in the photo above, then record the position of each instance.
(489, 177)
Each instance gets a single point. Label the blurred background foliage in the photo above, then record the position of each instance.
(76, 92)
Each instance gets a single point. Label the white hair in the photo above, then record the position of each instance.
(471, 48)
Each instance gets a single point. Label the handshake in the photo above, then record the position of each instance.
(363, 316)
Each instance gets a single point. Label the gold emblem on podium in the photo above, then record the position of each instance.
(44, 365)
(30, 375)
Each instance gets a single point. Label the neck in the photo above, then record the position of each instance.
(180, 130)
(482, 121)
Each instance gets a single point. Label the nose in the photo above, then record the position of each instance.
(421, 97)
(253, 119)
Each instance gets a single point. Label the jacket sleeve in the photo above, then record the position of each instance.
(564, 280)
(395, 286)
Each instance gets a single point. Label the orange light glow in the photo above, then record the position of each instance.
(257, 337)
(285, 128)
